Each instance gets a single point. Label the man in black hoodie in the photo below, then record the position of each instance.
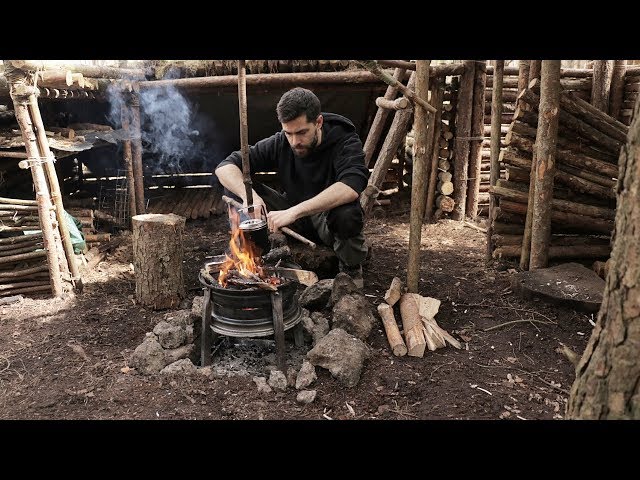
(320, 162)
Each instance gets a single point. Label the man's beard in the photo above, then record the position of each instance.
(307, 150)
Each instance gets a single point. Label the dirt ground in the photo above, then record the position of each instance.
(68, 358)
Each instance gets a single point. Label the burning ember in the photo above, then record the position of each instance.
(244, 266)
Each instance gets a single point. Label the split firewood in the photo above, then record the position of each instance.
(437, 336)
(276, 254)
(251, 283)
(391, 328)
(412, 324)
(394, 293)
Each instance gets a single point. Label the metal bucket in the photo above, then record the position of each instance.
(255, 230)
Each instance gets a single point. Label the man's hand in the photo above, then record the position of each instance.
(281, 218)
(257, 201)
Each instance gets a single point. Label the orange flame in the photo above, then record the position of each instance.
(243, 259)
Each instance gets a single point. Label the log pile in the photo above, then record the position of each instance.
(23, 266)
(583, 205)
(631, 90)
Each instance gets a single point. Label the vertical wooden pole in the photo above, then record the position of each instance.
(128, 162)
(50, 173)
(496, 121)
(602, 73)
(461, 140)
(136, 147)
(546, 138)
(380, 119)
(523, 74)
(20, 93)
(244, 128)
(278, 330)
(477, 134)
(420, 175)
(437, 96)
(617, 88)
(535, 68)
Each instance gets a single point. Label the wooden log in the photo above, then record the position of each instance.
(397, 133)
(515, 174)
(602, 268)
(391, 329)
(523, 74)
(424, 136)
(445, 176)
(136, 148)
(397, 104)
(580, 127)
(462, 145)
(86, 70)
(617, 88)
(127, 155)
(556, 252)
(508, 229)
(374, 68)
(544, 166)
(97, 237)
(20, 94)
(434, 70)
(556, 240)
(445, 203)
(602, 73)
(445, 188)
(157, 254)
(373, 137)
(21, 257)
(496, 113)
(13, 155)
(412, 324)
(244, 134)
(393, 294)
(437, 95)
(587, 113)
(477, 131)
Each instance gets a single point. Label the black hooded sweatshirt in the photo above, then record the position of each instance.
(338, 158)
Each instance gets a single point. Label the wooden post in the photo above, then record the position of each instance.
(397, 134)
(496, 114)
(244, 135)
(463, 133)
(535, 68)
(523, 74)
(128, 162)
(617, 88)
(205, 330)
(420, 175)
(437, 94)
(56, 196)
(136, 147)
(602, 74)
(546, 138)
(157, 260)
(477, 129)
(20, 92)
(380, 119)
(278, 330)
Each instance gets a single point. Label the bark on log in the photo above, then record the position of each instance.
(424, 137)
(136, 148)
(545, 163)
(617, 88)
(157, 255)
(396, 134)
(86, 70)
(463, 134)
(434, 174)
(373, 137)
(602, 73)
(391, 329)
(496, 113)
(556, 240)
(477, 131)
(535, 69)
(554, 252)
(128, 162)
(445, 203)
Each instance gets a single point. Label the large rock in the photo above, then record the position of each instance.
(183, 366)
(306, 375)
(342, 354)
(148, 357)
(342, 285)
(316, 296)
(180, 318)
(569, 284)
(353, 314)
(170, 336)
(175, 354)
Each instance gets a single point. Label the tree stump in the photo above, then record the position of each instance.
(157, 259)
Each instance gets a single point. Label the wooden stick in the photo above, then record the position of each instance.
(397, 104)
(602, 73)
(617, 88)
(438, 94)
(379, 121)
(391, 329)
(128, 161)
(373, 67)
(412, 324)
(496, 113)
(278, 330)
(393, 294)
(475, 150)
(136, 148)
(244, 135)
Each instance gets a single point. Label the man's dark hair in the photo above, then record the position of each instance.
(296, 102)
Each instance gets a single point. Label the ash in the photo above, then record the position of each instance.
(252, 356)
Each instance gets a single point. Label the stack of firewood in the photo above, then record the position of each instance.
(583, 205)
(23, 266)
(631, 89)
(421, 331)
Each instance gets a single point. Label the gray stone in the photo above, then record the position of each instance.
(342, 285)
(261, 383)
(189, 332)
(148, 357)
(180, 318)
(175, 354)
(292, 374)
(316, 296)
(183, 366)
(342, 354)
(170, 336)
(353, 314)
(306, 396)
(569, 284)
(196, 308)
(306, 375)
(277, 380)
